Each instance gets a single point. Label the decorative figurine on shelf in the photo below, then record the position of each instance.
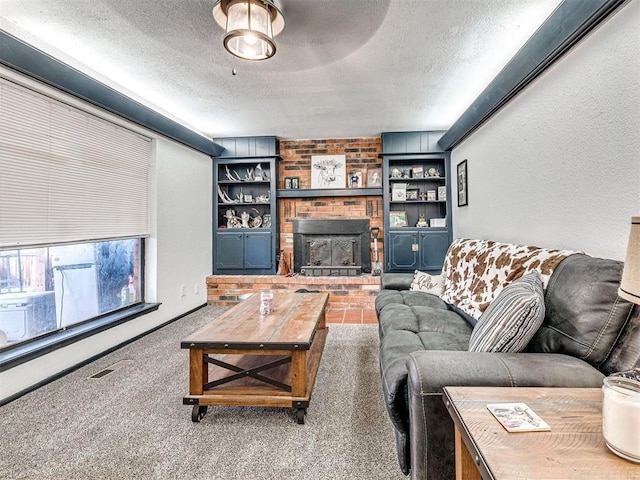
(224, 197)
(266, 220)
(261, 174)
(263, 198)
(423, 196)
(244, 216)
(232, 220)
(422, 222)
(232, 177)
(249, 176)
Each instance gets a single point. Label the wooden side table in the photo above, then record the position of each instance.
(574, 449)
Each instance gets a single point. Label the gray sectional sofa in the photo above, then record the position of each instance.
(588, 332)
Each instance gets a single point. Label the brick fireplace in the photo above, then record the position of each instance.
(361, 154)
(348, 294)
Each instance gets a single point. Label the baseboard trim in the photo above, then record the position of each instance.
(73, 368)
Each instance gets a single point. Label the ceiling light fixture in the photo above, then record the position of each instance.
(250, 26)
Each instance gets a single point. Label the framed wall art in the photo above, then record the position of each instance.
(328, 171)
(463, 195)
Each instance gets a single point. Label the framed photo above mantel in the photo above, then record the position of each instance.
(374, 177)
(328, 171)
(463, 195)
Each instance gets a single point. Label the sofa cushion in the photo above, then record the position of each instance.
(509, 323)
(423, 282)
(407, 297)
(584, 315)
(476, 271)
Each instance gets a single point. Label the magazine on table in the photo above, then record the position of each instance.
(517, 417)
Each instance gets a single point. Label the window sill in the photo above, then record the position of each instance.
(47, 344)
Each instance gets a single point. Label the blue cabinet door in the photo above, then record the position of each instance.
(229, 248)
(433, 248)
(258, 251)
(402, 256)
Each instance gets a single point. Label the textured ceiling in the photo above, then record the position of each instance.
(343, 68)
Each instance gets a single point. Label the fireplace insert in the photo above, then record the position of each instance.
(331, 247)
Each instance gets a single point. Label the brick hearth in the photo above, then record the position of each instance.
(345, 293)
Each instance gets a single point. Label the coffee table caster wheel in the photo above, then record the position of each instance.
(198, 413)
(300, 413)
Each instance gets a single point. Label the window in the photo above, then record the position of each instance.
(48, 289)
(74, 212)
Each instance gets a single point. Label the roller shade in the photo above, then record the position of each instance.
(66, 175)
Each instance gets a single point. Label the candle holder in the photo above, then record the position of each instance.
(621, 416)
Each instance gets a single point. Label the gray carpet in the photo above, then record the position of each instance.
(131, 424)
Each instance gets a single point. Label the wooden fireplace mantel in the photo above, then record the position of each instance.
(327, 192)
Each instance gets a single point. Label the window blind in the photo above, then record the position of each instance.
(66, 175)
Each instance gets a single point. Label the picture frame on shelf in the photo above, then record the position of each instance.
(413, 193)
(463, 195)
(417, 171)
(248, 198)
(287, 183)
(399, 192)
(431, 195)
(442, 194)
(328, 171)
(398, 219)
(374, 177)
(295, 183)
(355, 180)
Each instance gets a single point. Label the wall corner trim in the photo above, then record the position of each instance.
(571, 21)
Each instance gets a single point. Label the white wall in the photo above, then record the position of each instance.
(559, 166)
(178, 253)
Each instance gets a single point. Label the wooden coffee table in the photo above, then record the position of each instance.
(288, 343)
(573, 449)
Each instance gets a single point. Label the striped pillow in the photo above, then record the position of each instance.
(512, 319)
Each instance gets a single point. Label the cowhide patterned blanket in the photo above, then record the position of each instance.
(475, 271)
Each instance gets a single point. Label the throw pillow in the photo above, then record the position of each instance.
(512, 319)
(423, 282)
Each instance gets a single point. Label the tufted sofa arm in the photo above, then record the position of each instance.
(431, 427)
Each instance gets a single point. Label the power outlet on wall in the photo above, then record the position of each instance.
(196, 289)
(183, 290)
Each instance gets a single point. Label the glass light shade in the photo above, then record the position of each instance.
(621, 417)
(250, 26)
(630, 284)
